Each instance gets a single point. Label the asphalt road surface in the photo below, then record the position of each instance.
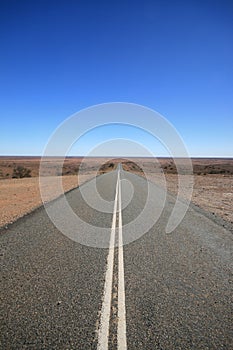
(158, 291)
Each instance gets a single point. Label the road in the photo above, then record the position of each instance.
(160, 291)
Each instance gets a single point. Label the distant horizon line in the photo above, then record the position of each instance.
(115, 157)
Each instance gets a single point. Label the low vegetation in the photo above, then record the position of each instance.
(19, 167)
(20, 172)
(106, 167)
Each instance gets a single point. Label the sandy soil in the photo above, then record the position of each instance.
(213, 193)
(20, 196)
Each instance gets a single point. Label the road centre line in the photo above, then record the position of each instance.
(106, 306)
(121, 330)
(103, 333)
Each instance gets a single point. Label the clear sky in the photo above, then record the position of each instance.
(58, 57)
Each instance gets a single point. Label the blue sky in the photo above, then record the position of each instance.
(58, 57)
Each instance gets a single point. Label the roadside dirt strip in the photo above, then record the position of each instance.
(20, 196)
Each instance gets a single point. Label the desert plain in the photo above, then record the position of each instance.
(20, 190)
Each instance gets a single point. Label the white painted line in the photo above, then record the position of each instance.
(103, 333)
(121, 330)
